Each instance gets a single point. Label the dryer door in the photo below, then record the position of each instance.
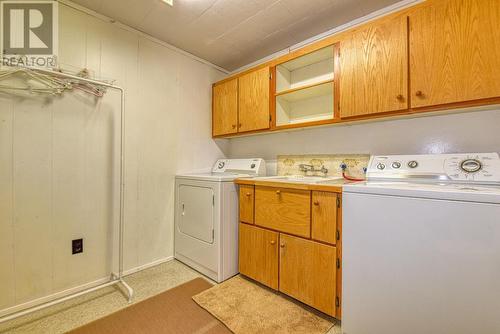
(196, 207)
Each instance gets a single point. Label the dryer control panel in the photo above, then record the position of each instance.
(483, 168)
(252, 167)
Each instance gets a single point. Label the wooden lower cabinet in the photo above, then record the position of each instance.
(307, 272)
(258, 254)
(246, 204)
(280, 251)
(324, 217)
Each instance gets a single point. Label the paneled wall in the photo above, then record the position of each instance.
(58, 160)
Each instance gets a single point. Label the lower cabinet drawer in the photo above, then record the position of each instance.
(307, 272)
(284, 210)
(258, 254)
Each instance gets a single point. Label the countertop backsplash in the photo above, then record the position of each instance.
(289, 164)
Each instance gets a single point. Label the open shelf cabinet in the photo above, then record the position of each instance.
(306, 88)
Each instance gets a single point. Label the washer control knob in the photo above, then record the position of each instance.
(221, 164)
(413, 164)
(471, 165)
(380, 166)
(396, 165)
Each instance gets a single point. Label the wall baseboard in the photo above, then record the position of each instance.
(147, 265)
(51, 297)
(76, 289)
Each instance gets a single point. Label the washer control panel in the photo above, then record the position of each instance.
(468, 168)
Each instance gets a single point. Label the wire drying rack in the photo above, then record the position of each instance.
(53, 83)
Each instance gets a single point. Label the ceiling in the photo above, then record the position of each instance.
(233, 33)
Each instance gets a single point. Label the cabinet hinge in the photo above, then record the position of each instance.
(338, 202)
(338, 235)
(270, 118)
(338, 263)
(213, 200)
(337, 301)
(270, 76)
(213, 234)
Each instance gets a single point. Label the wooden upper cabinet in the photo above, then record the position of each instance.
(374, 68)
(454, 52)
(254, 100)
(258, 254)
(308, 272)
(225, 108)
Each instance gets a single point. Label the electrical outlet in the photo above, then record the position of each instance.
(77, 246)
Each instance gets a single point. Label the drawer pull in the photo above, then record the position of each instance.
(316, 203)
(278, 192)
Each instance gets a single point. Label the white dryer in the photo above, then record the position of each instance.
(206, 217)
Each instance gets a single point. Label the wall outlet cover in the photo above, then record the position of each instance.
(77, 246)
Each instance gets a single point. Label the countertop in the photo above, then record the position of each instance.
(334, 185)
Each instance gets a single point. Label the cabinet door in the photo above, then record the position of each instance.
(225, 108)
(455, 52)
(324, 217)
(258, 255)
(254, 100)
(374, 69)
(246, 204)
(307, 272)
(284, 210)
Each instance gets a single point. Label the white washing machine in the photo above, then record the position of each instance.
(421, 246)
(206, 217)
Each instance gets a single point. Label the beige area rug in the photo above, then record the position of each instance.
(171, 312)
(246, 307)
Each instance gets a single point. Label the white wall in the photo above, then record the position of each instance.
(476, 131)
(58, 167)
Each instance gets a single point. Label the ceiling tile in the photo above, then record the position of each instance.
(233, 33)
(95, 5)
(130, 12)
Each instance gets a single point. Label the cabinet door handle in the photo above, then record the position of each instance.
(248, 194)
(233, 126)
(316, 203)
(282, 245)
(273, 242)
(400, 97)
(278, 192)
(419, 93)
(239, 125)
